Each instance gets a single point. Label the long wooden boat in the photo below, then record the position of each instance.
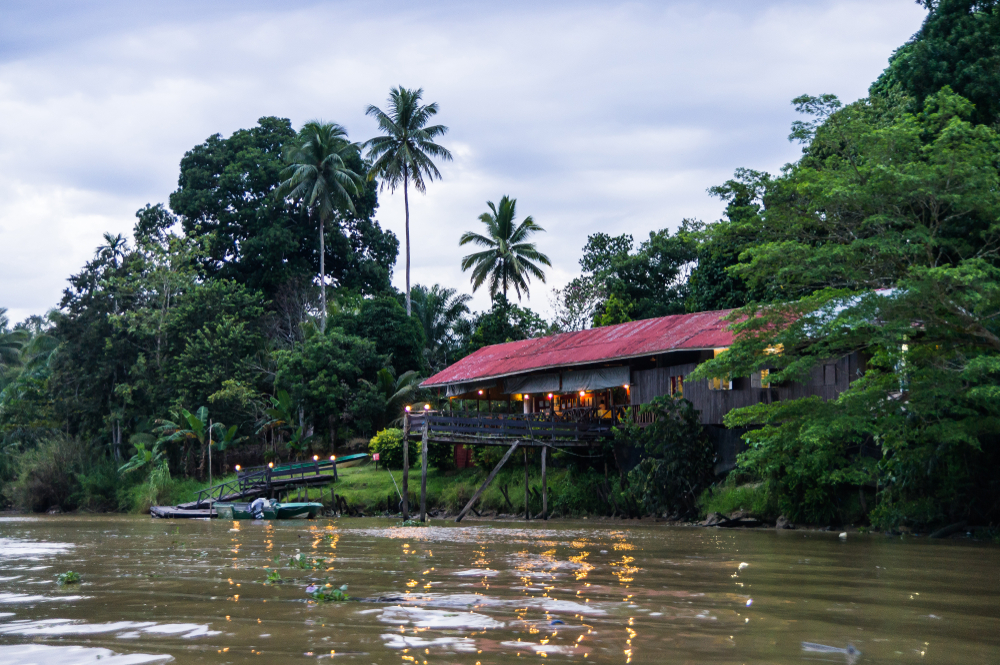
(275, 511)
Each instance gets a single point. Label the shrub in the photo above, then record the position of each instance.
(49, 474)
(389, 445)
(441, 455)
(677, 465)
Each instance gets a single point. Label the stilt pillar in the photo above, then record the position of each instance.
(406, 466)
(423, 468)
(545, 486)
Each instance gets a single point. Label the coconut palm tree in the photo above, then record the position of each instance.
(317, 175)
(403, 154)
(509, 260)
(439, 309)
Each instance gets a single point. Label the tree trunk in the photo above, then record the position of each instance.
(406, 204)
(322, 271)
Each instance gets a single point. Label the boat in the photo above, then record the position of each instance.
(272, 511)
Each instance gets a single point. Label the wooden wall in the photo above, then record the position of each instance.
(827, 381)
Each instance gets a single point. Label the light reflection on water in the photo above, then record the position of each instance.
(487, 592)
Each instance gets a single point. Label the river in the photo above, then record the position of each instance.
(193, 591)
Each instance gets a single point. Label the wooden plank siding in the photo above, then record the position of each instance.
(826, 380)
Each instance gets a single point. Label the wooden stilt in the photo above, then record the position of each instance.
(527, 515)
(406, 466)
(423, 469)
(489, 479)
(545, 486)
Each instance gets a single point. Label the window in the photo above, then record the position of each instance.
(829, 375)
(720, 383)
(760, 379)
(677, 386)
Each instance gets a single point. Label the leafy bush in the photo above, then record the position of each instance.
(441, 455)
(49, 475)
(389, 445)
(678, 462)
(728, 498)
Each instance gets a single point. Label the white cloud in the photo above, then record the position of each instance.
(595, 117)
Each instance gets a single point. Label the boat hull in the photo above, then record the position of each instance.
(278, 511)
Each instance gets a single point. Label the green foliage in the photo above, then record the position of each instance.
(403, 153)
(384, 322)
(504, 322)
(441, 455)
(881, 198)
(322, 375)
(61, 471)
(226, 194)
(329, 593)
(509, 260)
(273, 577)
(956, 46)
(712, 284)
(440, 311)
(303, 562)
(615, 311)
(728, 498)
(677, 462)
(389, 445)
(69, 577)
(650, 280)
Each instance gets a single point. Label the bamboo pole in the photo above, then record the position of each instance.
(489, 479)
(423, 469)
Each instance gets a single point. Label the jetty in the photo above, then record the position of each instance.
(272, 481)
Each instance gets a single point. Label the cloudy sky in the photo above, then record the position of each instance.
(610, 117)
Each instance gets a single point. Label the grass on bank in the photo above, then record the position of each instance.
(369, 490)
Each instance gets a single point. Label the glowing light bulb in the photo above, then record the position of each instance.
(237, 467)
(407, 408)
(315, 458)
(427, 407)
(270, 465)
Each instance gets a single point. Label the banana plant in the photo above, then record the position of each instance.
(281, 416)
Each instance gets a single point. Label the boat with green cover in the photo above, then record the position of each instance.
(272, 511)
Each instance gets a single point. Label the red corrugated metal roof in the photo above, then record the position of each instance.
(703, 330)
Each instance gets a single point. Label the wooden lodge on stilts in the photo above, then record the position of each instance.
(569, 390)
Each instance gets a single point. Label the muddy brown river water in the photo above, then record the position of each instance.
(159, 591)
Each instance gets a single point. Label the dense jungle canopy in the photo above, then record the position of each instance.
(882, 239)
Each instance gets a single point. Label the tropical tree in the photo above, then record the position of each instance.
(403, 154)
(395, 390)
(509, 260)
(11, 342)
(439, 309)
(317, 175)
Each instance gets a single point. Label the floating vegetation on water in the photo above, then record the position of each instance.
(327, 592)
(413, 523)
(69, 577)
(305, 563)
(273, 577)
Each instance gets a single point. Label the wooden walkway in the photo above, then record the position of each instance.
(512, 431)
(267, 481)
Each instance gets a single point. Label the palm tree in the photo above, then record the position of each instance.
(403, 154)
(317, 174)
(113, 249)
(395, 390)
(439, 309)
(509, 259)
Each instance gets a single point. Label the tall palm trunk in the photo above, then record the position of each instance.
(322, 274)
(406, 204)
